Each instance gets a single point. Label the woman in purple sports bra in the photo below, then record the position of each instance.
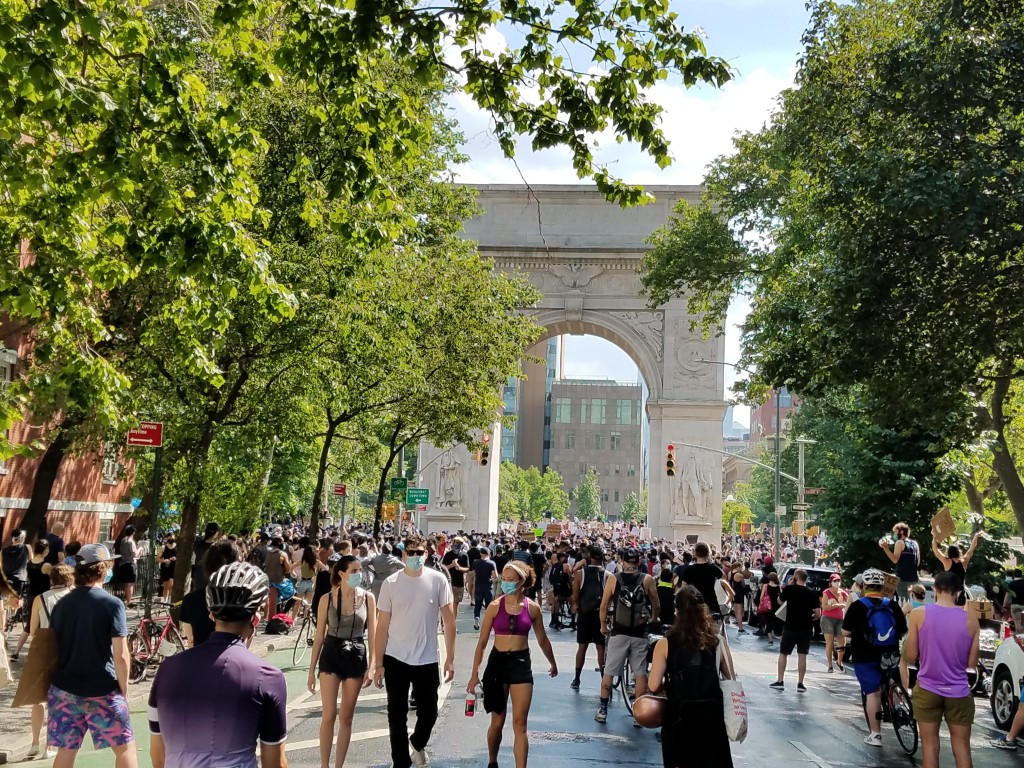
(509, 671)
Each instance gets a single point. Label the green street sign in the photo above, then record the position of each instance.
(399, 483)
(417, 496)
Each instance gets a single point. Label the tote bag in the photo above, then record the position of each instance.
(735, 702)
(40, 667)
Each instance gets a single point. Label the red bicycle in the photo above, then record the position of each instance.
(150, 643)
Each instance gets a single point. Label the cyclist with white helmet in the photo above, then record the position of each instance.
(875, 625)
(209, 705)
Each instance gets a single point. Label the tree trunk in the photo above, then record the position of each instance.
(381, 490)
(34, 521)
(196, 461)
(1002, 459)
(321, 473)
(975, 500)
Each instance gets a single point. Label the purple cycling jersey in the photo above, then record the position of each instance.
(210, 704)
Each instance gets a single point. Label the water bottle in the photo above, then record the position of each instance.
(471, 704)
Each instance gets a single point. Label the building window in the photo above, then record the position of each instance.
(105, 529)
(598, 442)
(563, 410)
(597, 407)
(775, 421)
(583, 468)
(111, 466)
(615, 497)
(604, 496)
(631, 470)
(615, 441)
(635, 442)
(508, 447)
(583, 411)
(570, 440)
(785, 398)
(623, 411)
(636, 412)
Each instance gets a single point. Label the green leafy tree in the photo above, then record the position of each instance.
(527, 494)
(737, 512)
(587, 496)
(875, 224)
(634, 508)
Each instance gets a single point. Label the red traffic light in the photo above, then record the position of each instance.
(671, 447)
(485, 439)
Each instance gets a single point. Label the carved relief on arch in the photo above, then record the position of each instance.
(690, 370)
(649, 326)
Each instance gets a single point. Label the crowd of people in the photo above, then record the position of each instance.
(664, 607)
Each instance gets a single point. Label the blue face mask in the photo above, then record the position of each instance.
(355, 579)
(109, 576)
(509, 587)
(415, 562)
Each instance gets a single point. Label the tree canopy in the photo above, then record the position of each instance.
(527, 493)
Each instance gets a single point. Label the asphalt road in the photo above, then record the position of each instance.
(821, 728)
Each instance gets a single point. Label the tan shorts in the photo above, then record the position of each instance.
(458, 593)
(931, 708)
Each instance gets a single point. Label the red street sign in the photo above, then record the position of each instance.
(813, 491)
(149, 434)
(340, 489)
(421, 507)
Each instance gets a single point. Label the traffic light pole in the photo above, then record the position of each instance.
(778, 467)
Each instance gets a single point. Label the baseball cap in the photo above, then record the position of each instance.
(631, 555)
(94, 553)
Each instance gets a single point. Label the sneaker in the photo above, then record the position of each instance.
(841, 667)
(778, 685)
(830, 670)
(873, 739)
(1002, 743)
(575, 685)
(476, 623)
(801, 687)
(419, 758)
(742, 632)
(601, 716)
(33, 752)
(771, 643)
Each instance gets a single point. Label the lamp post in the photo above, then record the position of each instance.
(778, 446)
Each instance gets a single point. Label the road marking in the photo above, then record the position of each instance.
(819, 761)
(296, 703)
(316, 703)
(292, 746)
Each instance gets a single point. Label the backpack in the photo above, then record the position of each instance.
(631, 603)
(881, 632)
(591, 591)
(279, 624)
(693, 676)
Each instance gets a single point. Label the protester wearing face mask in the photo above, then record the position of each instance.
(406, 652)
(342, 620)
(509, 672)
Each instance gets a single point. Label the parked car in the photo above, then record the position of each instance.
(1008, 669)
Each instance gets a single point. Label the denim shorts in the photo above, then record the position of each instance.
(70, 716)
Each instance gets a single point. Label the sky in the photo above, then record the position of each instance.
(761, 41)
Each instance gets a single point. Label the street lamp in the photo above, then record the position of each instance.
(778, 445)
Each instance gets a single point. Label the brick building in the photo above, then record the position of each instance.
(91, 494)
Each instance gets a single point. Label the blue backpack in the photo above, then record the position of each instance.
(881, 631)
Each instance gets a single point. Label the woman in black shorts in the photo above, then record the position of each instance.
(344, 615)
(509, 672)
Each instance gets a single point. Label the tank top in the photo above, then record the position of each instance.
(50, 598)
(906, 566)
(944, 644)
(347, 626)
(839, 595)
(38, 582)
(957, 567)
(513, 624)
(307, 572)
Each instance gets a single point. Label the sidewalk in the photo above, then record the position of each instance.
(16, 724)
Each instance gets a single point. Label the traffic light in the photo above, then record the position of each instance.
(670, 461)
(485, 450)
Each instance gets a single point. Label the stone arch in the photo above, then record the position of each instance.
(583, 255)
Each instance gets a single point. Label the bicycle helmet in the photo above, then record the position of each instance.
(236, 591)
(873, 578)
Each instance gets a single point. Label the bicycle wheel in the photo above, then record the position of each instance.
(138, 653)
(628, 685)
(173, 637)
(901, 710)
(302, 640)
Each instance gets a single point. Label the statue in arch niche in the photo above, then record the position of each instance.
(450, 470)
(691, 494)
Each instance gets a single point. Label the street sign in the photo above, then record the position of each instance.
(340, 489)
(780, 511)
(421, 507)
(813, 491)
(417, 495)
(399, 484)
(149, 434)
(798, 507)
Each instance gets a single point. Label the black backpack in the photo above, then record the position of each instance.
(632, 607)
(693, 676)
(592, 589)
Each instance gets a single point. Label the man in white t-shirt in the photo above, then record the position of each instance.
(405, 653)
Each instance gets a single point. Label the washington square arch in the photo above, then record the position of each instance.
(582, 253)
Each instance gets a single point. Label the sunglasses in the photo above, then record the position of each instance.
(415, 552)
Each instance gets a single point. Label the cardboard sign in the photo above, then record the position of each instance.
(553, 531)
(979, 609)
(942, 525)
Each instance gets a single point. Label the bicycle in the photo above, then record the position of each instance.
(898, 709)
(149, 643)
(304, 637)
